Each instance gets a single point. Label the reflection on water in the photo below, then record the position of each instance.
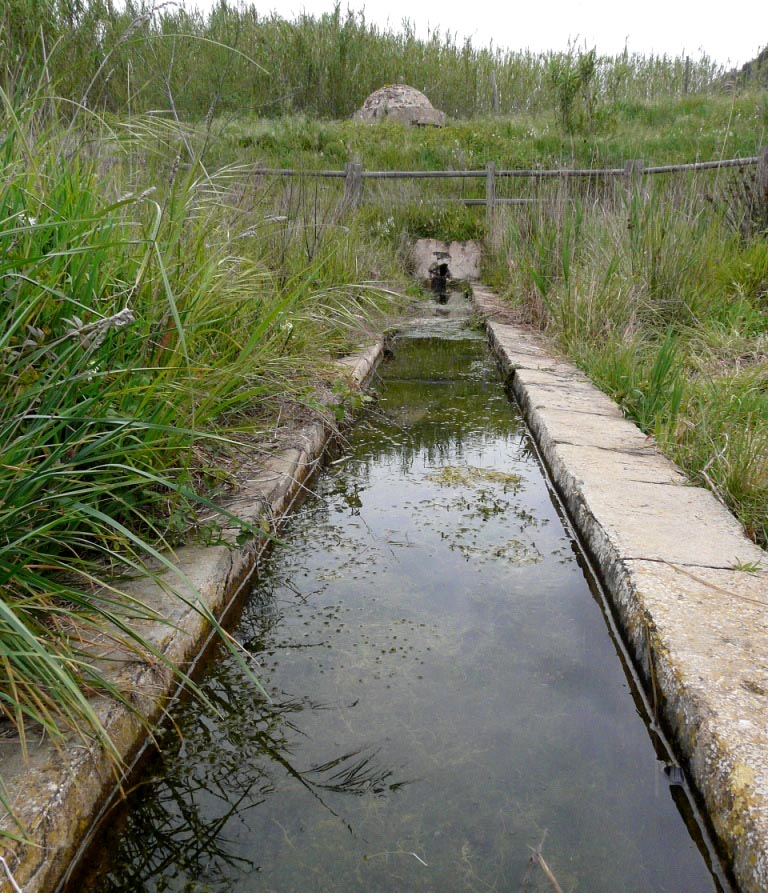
(444, 695)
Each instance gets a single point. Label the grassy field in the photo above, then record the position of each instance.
(658, 290)
(161, 300)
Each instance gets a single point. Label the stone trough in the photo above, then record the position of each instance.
(689, 591)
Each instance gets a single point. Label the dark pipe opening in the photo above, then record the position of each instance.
(438, 278)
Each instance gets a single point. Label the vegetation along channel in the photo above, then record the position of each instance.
(447, 708)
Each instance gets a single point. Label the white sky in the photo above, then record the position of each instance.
(730, 33)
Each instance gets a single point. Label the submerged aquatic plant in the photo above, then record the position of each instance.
(468, 476)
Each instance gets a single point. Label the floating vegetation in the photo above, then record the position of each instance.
(472, 476)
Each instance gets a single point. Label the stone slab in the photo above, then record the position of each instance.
(463, 258)
(581, 423)
(676, 566)
(705, 631)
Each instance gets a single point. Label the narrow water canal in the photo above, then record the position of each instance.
(445, 695)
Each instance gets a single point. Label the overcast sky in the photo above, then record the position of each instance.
(730, 33)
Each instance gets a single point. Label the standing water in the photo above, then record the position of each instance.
(444, 695)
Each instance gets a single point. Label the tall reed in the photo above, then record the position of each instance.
(234, 56)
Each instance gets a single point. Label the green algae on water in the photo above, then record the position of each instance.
(470, 476)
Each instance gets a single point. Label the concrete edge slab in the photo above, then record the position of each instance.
(691, 608)
(58, 793)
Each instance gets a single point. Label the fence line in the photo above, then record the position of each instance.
(533, 173)
(632, 170)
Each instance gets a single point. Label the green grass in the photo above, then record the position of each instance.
(660, 294)
(670, 129)
(153, 315)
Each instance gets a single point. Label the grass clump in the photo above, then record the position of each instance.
(153, 315)
(103, 380)
(658, 290)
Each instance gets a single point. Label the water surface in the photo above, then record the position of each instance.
(444, 693)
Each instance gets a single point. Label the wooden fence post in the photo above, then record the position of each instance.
(762, 174)
(490, 202)
(633, 171)
(353, 185)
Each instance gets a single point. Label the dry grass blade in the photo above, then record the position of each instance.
(536, 858)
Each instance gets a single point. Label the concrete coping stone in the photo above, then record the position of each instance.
(688, 587)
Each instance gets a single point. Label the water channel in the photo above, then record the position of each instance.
(444, 693)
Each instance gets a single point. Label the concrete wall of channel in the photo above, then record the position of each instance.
(676, 565)
(57, 794)
(680, 574)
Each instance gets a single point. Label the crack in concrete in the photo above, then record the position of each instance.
(665, 561)
(640, 452)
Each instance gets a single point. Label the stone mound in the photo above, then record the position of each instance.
(400, 103)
